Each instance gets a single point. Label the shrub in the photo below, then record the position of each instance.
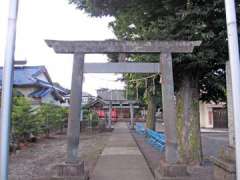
(51, 117)
(28, 121)
(22, 123)
(93, 119)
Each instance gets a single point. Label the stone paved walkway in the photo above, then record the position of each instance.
(121, 159)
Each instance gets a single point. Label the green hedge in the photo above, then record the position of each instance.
(27, 121)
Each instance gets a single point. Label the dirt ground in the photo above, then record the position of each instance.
(38, 159)
(153, 157)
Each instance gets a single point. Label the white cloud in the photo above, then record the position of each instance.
(56, 19)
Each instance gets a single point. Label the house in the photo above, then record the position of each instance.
(114, 98)
(86, 98)
(213, 115)
(35, 84)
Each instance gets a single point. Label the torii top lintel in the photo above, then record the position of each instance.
(88, 47)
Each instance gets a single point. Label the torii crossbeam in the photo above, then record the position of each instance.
(113, 46)
(125, 67)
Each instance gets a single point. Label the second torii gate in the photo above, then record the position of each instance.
(164, 48)
(126, 67)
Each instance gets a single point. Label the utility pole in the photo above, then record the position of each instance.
(235, 73)
(7, 89)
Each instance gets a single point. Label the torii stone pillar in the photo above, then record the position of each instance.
(74, 167)
(109, 115)
(169, 108)
(73, 131)
(132, 115)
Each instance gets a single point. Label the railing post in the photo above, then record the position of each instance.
(132, 115)
(110, 115)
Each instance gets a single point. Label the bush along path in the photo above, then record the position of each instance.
(28, 122)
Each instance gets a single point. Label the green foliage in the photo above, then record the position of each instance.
(175, 20)
(50, 117)
(22, 121)
(196, 22)
(27, 121)
(86, 114)
(100, 7)
(93, 119)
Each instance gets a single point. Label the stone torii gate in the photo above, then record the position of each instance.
(80, 48)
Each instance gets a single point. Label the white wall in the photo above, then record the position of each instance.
(50, 99)
(26, 90)
(206, 113)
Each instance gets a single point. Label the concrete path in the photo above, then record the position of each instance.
(121, 159)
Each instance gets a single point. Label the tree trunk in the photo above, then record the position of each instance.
(151, 109)
(188, 121)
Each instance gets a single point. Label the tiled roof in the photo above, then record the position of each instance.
(44, 92)
(25, 75)
(109, 94)
(41, 93)
(28, 76)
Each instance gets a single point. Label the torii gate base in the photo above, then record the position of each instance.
(169, 168)
(172, 172)
(71, 172)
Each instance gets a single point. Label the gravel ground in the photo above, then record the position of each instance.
(39, 158)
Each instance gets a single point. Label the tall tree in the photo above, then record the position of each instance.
(197, 76)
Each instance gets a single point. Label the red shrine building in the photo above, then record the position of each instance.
(115, 99)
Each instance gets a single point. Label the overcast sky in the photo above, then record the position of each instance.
(56, 19)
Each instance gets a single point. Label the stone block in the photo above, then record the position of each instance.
(62, 178)
(173, 169)
(224, 169)
(70, 178)
(171, 172)
(68, 171)
(159, 176)
(220, 173)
